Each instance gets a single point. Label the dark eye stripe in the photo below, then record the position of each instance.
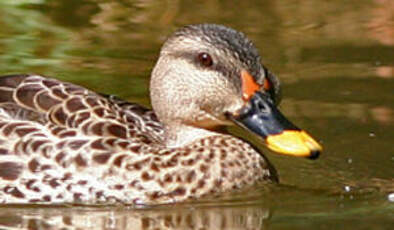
(218, 66)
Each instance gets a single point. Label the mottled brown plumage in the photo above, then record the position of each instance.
(63, 143)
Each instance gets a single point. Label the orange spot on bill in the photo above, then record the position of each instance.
(249, 86)
(267, 85)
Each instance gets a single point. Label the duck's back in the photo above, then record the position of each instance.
(49, 129)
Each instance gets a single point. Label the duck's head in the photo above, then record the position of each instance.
(208, 76)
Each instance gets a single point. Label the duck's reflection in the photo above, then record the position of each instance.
(175, 217)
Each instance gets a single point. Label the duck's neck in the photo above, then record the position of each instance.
(180, 135)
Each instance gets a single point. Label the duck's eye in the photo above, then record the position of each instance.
(205, 59)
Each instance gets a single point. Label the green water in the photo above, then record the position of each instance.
(336, 63)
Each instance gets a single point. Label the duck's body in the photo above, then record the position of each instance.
(62, 143)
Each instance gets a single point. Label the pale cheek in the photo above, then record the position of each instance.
(203, 117)
(235, 105)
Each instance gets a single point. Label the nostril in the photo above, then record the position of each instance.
(314, 154)
(262, 102)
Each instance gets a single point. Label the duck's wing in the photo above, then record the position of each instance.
(65, 105)
(42, 99)
(54, 135)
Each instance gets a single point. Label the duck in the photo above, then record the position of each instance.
(63, 143)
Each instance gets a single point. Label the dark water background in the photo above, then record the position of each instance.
(336, 63)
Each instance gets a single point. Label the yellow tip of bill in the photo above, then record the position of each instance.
(294, 143)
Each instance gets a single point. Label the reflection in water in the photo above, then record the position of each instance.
(381, 24)
(352, 111)
(381, 27)
(31, 218)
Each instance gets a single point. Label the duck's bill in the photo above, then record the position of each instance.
(261, 117)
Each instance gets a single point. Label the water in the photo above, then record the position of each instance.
(336, 63)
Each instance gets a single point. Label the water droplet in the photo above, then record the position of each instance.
(349, 160)
(390, 197)
(347, 188)
(372, 134)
